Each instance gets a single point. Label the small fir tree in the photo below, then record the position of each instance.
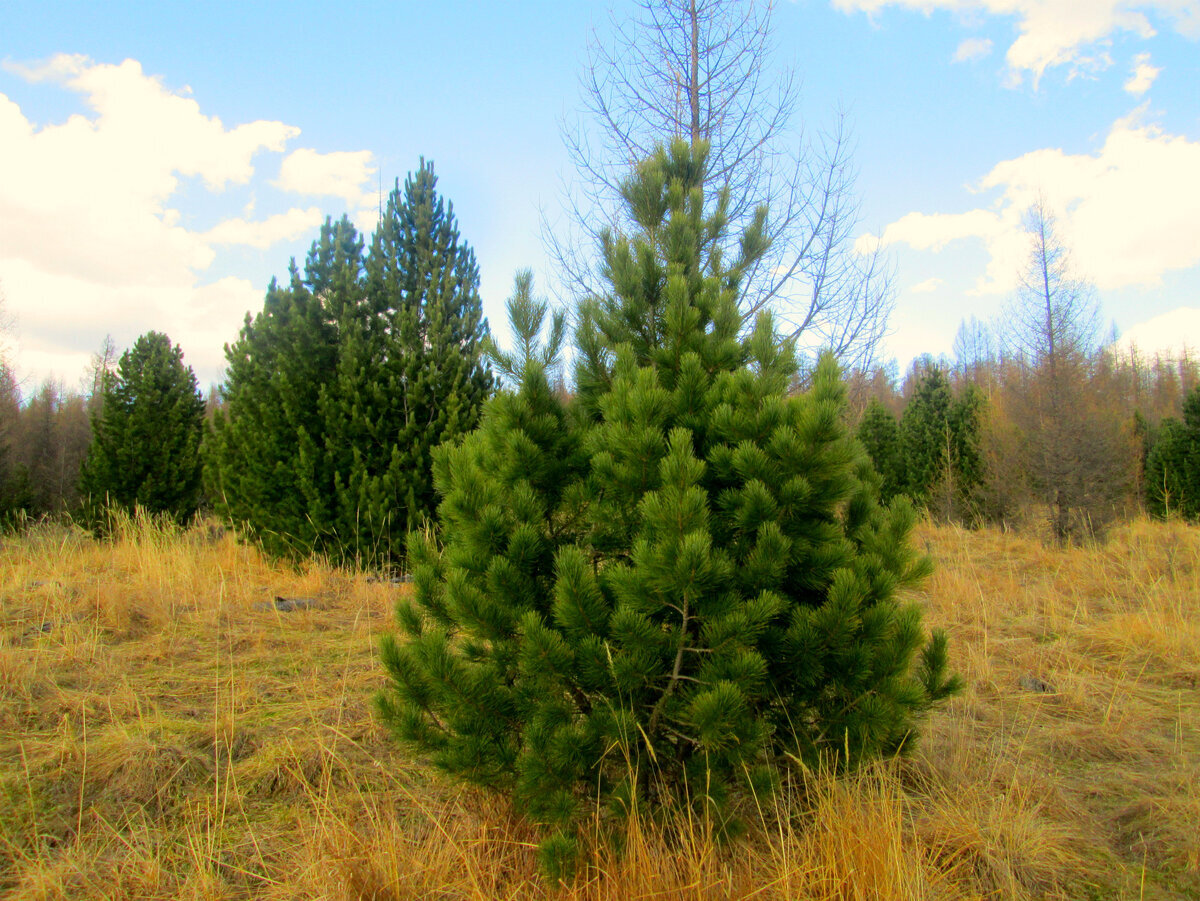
(673, 582)
(1172, 477)
(879, 433)
(145, 449)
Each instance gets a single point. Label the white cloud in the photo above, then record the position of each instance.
(1057, 32)
(91, 239)
(933, 231)
(926, 287)
(971, 49)
(339, 174)
(1143, 75)
(265, 232)
(1129, 211)
(1169, 334)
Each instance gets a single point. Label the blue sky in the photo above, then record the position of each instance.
(163, 161)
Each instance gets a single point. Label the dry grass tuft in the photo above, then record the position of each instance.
(166, 733)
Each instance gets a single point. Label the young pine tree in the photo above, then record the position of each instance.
(879, 433)
(1173, 465)
(145, 449)
(670, 584)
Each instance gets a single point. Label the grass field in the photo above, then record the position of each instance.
(166, 733)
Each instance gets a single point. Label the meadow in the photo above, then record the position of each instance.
(166, 731)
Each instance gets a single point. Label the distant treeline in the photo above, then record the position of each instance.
(321, 438)
(993, 436)
(947, 431)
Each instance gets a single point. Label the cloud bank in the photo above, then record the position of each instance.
(90, 241)
(1057, 32)
(1124, 210)
(1172, 335)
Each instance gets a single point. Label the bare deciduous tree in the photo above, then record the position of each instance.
(701, 70)
(101, 368)
(1077, 453)
(1056, 316)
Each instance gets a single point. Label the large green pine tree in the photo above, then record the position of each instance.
(966, 430)
(340, 389)
(1173, 464)
(145, 449)
(265, 453)
(411, 373)
(673, 582)
(940, 446)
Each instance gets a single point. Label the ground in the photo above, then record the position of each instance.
(167, 732)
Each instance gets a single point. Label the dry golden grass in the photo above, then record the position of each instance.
(160, 737)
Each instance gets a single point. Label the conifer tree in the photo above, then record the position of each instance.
(879, 433)
(670, 584)
(340, 389)
(1173, 464)
(267, 467)
(966, 429)
(925, 435)
(940, 445)
(411, 373)
(145, 449)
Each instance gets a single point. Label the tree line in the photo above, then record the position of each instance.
(1037, 420)
(319, 440)
(367, 358)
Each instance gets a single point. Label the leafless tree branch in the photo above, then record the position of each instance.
(702, 70)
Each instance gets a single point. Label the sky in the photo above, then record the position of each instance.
(161, 162)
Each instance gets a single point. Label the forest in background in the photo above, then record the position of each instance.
(46, 429)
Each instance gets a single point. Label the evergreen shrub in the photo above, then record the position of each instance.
(665, 587)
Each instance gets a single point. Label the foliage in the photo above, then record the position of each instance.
(14, 475)
(940, 447)
(339, 390)
(265, 442)
(879, 433)
(145, 449)
(1172, 480)
(669, 585)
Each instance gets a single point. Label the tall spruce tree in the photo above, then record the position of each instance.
(1173, 465)
(340, 389)
(145, 449)
(266, 461)
(675, 581)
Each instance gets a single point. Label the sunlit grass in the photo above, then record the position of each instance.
(164, 733)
